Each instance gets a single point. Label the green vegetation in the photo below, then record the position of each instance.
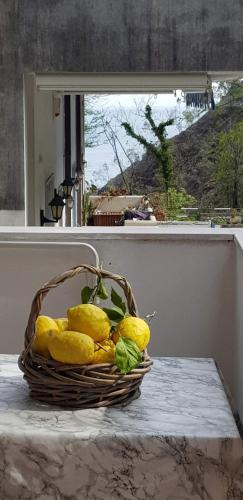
(178, 200)
(161, 149)
(87, 207)
(205, 159)
(172, 203)
(229, 165)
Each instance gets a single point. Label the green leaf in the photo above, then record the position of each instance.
(127, 355)
(101, 290)
(86, 294)
(114, 313)
(117, 300)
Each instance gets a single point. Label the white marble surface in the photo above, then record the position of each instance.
(178, 441)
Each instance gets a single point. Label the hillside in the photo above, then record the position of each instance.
(193, 158)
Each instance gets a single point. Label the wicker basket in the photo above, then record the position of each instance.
(79, 386)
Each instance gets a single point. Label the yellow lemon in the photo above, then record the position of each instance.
(135, 329)
(105, 353)
(43, 326)
(71, 348)
(89, 319)
(62, 324)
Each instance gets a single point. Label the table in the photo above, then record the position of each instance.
(179, 441)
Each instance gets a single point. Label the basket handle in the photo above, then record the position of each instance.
(58, 280)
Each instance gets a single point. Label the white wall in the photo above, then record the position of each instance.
(59, 143)
(190, 286)
(238, 343)
(45, 148)
(24, 268)
(12, 217)
(188, 281)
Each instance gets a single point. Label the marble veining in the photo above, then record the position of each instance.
(179, 441)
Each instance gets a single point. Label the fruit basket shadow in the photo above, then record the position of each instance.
(93, 358)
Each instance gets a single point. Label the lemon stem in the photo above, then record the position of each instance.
(101, 347)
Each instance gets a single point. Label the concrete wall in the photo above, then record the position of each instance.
(103, 35)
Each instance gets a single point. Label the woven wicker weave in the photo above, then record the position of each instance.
(79, 386)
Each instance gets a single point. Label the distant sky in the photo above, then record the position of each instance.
(127, 100)
(163, 106)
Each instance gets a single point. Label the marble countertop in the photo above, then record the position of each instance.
(178, 441)
(179, 397)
